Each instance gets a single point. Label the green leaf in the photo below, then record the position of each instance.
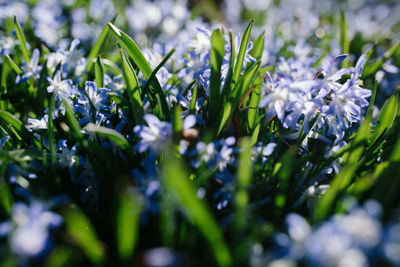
(225, 90)
(344, 41)
(258, 47)
(192, 108)
(372, 68)
(127, 229)
(50, 131)
(12, 64)
(241, 55)
(235, 97)
(243, 181)
(216, 59)
(177, 183)
(22, 40)
(83, 234)
(133, 87)
(13, 121)
(386, 117)
(25, 155)
(108, 133)
(137, 56)
(6, 198)
(343, 179)
(253, 108)
(97, 46)
(99, 72)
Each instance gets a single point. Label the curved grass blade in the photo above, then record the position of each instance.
(22, 40)
(99, 72)
(81, 231)
(344, 39)
(110, 134)
(241, 55)
(253, 108)
(127, 230)
(13, 121)
(177, 183)
(97, 46)
(216, 59)
(12, 64)
(372, 68)
(133, 87)
(258, 47)
(235, 97)
(137, 56)
(343, 179)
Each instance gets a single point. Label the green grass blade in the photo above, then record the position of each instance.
(253, 108)
(73, 122)
(81, 232)
(97, 46)
(108, 133)
(133, 87)
(127, 228)
(258, 47)
(192, 108)
(225, 90)
(13, 121)
(235, 97)
(372, 68)
(241, 55)
(22, 40)
(12, 64)
(243, 181)
(216, 59)
(50, 131)
(177, 183)
(99, 72)
(137, 56)
(343, 179)
(344, 39)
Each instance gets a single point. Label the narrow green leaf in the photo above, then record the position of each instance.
(99, 72)
(83, 234)
(216, 59)
(225, 90)
(133, 87)
(22, 40)
(97, 46)
(344, 41)
(137, 56)
(258, 47)
(253, 108)
(177, 183)
(108, 133)
(12, 64)
(386, 117)
(235, 97)
(50, 131)
(343, 179)
(243, 181)
(127, 230)
(372, 68)
(25, 155)
(73, 122)
(12, 120)
(192, 108)
(241, 55)
(6, 198)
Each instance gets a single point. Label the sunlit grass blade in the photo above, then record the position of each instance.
(12, 64)
(13, 121)
(177, 183)
(344, 39)
(21, 155)
(258, 47)
(253, 108)
(241, 55)
(225, 90)
(141, 62)
(244, 175)
(343, 179)
(374, 67)
(235, 97)
(99, 72)
(22, 40)
(81, 232)
(108, 133)
(97, 46)
(216, 59)
(127, 228)
(133, 87)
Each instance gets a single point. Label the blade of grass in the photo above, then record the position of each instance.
(216, 59)
(22, 40)
(177, 183)
(372, 68)
(133, 89)
(97, 46)
(127, 228)
(83, 234)
(344, 41)
(99, 72)
(241, 55)
(108, 133)
(12, 64)
(343, 179)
